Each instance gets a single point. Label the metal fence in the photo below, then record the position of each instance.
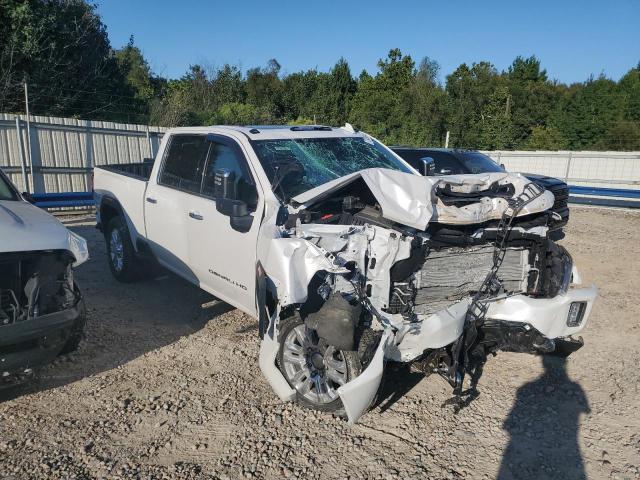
(51, 154)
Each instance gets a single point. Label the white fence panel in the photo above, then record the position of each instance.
(592, 169)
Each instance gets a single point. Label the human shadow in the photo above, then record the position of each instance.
(124, 320)
(543, 426)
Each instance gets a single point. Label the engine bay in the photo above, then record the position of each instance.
(431, 287)
(34, 284)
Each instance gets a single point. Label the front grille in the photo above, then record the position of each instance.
(561, 194)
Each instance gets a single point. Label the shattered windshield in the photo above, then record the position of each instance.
(6, 191)
(296, 165)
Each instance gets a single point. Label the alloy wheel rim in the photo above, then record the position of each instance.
(116, 250)
(316, 371)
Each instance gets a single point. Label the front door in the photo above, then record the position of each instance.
(223, 257)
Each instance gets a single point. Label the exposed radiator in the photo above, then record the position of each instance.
(451, 274)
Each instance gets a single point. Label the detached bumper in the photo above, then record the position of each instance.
(36, 342)
(550, 316)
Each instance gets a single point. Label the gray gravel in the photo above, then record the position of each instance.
(167, 385)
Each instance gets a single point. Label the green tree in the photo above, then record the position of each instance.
(532, 99)
(497, 131)
(264, 92)
(61, 48)
(545, 138)
(469, 90)
(380, 101)
(586, 112)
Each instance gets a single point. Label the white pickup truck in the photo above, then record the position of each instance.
(347, 256)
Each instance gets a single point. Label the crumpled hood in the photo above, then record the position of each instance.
(25, 227)
(411, 200)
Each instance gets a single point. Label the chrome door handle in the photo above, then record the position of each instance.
(151, 200)
(196, 215)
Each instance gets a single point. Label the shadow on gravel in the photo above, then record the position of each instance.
(124, 321)
(543, 425)
(398, 380)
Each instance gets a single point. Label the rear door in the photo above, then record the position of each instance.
(167, 201)
(224, 257)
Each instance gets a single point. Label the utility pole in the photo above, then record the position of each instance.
(26, 107)
(446, 140)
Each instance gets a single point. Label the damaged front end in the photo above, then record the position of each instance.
(387, 265)
(41, 310)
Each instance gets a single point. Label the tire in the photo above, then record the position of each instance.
(121, 256)
(77, 331)
(298, 369)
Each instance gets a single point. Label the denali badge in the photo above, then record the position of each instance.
(233, 282)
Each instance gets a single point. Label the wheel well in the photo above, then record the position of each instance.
(107, 212)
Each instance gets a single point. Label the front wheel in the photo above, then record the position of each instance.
(313, 368)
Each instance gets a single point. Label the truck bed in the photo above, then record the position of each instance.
(126, 184)
(140, 170)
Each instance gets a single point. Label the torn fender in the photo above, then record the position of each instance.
(267, 361)
(358, 394)
(291, 263)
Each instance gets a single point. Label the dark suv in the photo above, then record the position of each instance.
(446, 161)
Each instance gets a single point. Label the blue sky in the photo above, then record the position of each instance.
(572, 38)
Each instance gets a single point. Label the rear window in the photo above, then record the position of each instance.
(445, 163)
(184, 162)
(477, 162)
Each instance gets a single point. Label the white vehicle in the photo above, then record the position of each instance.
(42, 314)
(346, 255)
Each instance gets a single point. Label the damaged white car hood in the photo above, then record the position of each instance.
(411, 200)
(25, 228)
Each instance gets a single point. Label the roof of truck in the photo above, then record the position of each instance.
(269, 132)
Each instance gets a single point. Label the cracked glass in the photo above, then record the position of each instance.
(296, 165)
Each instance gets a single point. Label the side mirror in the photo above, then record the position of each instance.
(232, 208)
(238, 213)
(428, 166)
(28, 197)
(503, 167)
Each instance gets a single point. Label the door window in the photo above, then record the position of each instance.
(446, 164)
(184, 163)
(226, 155)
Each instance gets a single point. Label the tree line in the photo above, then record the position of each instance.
(62, 50)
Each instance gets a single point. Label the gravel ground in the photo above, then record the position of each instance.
(167, 385)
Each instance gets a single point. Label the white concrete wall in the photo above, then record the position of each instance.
(594, 169)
